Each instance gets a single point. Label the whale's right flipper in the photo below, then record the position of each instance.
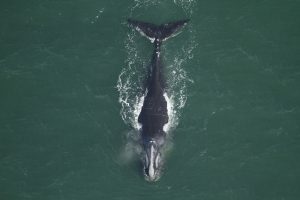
(161, 32)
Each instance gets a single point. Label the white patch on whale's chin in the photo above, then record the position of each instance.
(151, 165)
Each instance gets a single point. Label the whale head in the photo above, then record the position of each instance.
(152, 160)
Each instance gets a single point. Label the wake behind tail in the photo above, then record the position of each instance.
(158, 32)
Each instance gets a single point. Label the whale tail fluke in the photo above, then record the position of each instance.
(158, 32)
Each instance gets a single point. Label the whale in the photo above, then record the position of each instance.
(154, 112)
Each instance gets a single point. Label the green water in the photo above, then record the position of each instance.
(61, 132)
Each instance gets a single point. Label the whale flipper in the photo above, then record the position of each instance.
(160, 32)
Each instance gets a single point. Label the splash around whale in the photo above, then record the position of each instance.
(154, 115)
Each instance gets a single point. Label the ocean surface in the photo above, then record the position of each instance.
(71, 77)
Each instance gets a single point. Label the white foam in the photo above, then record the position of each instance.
(171, 113)
(187, 5)
(137, 111)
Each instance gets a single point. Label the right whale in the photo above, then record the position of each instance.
(154, 113)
